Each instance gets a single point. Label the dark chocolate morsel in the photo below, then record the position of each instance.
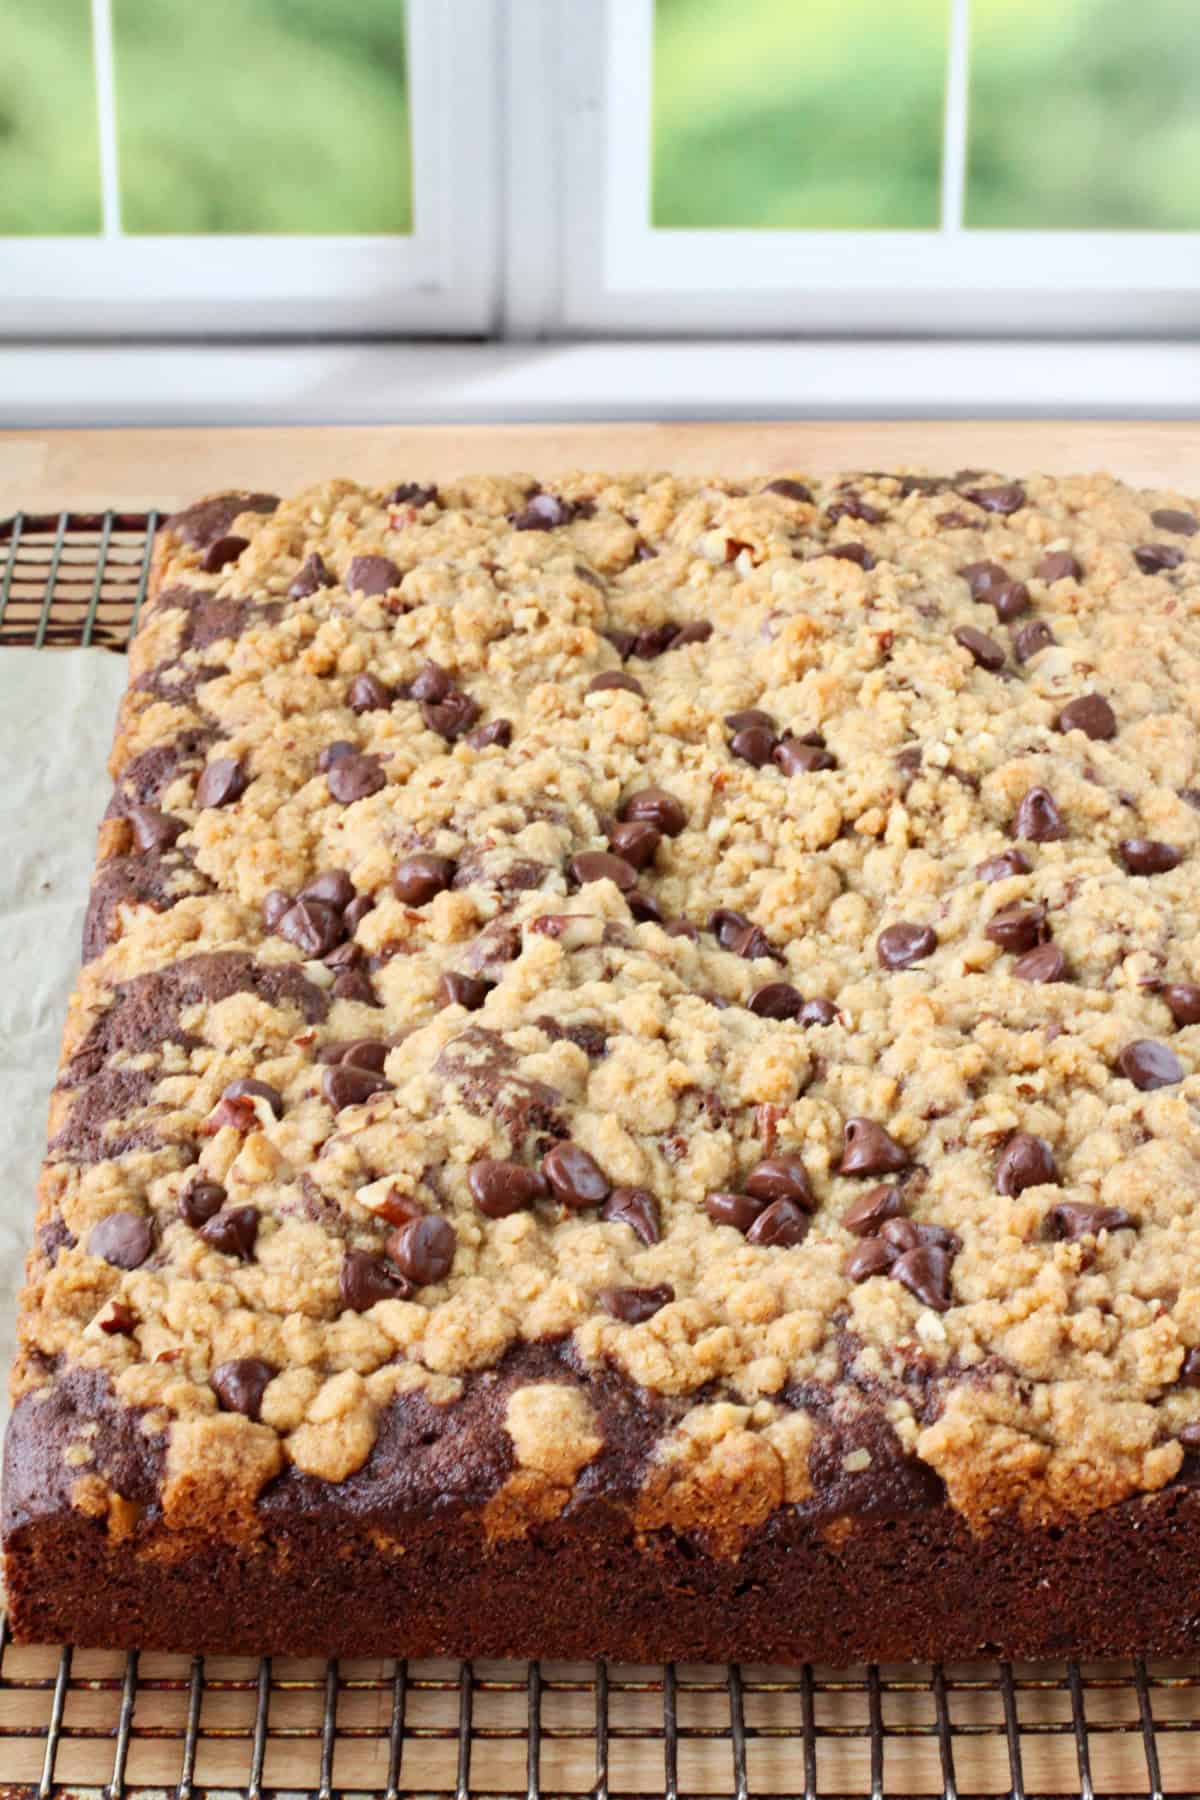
(1025, 1161)
(576, 1177)
(1149, 1065)
(868, 1149)
(634, 1305)
(500, 1188)
(637, 1208)
(423, 1250)
(240, 1385)
(366, 1279)
(124, 1239)
(233, 1231)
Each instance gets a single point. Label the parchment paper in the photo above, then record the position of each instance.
(56, 718)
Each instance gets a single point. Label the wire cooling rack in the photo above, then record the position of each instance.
(73, 578)
(103, 1726)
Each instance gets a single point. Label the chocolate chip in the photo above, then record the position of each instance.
(780, 1226)
(1010, 600)
(797, 756)
(780, 1178)
(153, 829)
(1081, 1218)
(738, 1210)
(543, 512)
(366, 1279)
(982, 649)
(496, 731)
(601, 865)
(332, 887)
(1185, 524)
(728, 927)
(854, 507)
(1090, 714)
(855, 553)
(999, 868)
(1149, 1065)
(777, 1000)
(644, 908)
(984, 578)
(874, 1256)
(750, 716)
(248, 1087)
(576, 1178)
(355, 984)
(1189, 1370)
(925, 1272)
(791, 490)
(233, 1231)
(633, 1305)
(124, 1239)
(637, 1208)
(654, 806)
(867, 1149)
(654, 640)
(431, 682)
(1046, 963)
(872, 1209)
(501, 1188)
(899, 946)
(1058, 565)
(753, 744)
(1018, 927)
(697, 631)
(1038, 818)
(817, 1012)
(346, 1084)
(413, 493)
(312, 926)
(1148, 856)
(469, 991)
(901, 1233)
(1183, 999)
(224, 550)
(417, 879)
(1025, 1161)
(1007, 499)
(199, 1201)
(451, 717)
(334, 752)
(1030, 639)
(372, 575)
(310, 576)
(240, 1385)
(221, 783)
(1155, 559)
(614, 678)
(355, 777)
(368, 694)
(753, 943)
(423, 1250)
(635, 842)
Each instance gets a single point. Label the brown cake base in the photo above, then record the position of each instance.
(918, 1588)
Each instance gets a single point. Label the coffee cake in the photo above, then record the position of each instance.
(632, 1085)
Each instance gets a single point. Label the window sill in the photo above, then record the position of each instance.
(374, 382)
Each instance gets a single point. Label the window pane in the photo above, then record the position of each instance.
(1085, 114)
(824, 115)
(262, 115)
(49, 161)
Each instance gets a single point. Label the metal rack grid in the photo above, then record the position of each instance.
(73, 578)
(90, 1723)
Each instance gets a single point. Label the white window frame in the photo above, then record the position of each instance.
(440, 279)
(613, 273)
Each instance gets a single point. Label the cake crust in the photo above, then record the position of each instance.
(646, 1027)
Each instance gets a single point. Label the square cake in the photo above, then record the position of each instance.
(633, 1086)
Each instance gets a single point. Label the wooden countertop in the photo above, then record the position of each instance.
(133, 469)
